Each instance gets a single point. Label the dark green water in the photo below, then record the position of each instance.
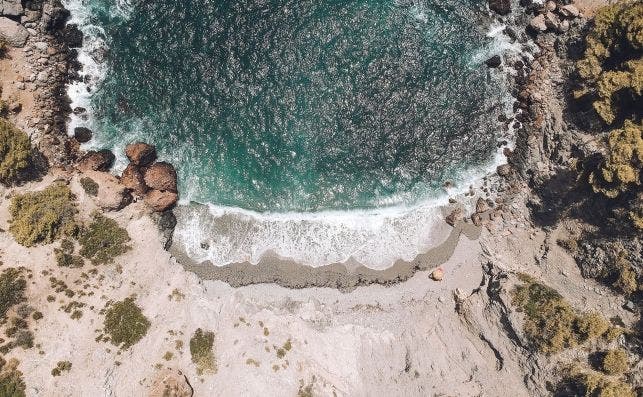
(301, 105)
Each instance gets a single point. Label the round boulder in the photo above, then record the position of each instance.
(132, 179)
(13, 33)
(101, 160)
(140, 153)
(83, 134)
(161, 200)
(161, 176)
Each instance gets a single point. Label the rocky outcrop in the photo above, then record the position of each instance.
(140, 154)
(171, 383)
(111, 196)
(13, 33)
(155, 182)
(101, 160)
(553, 17)
(161, 176)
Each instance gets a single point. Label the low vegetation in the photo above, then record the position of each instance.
(65, 255)
(615, 362)
(12, 290)
(43, 216)
(550, 323)
(89, 186)
(103, 240)
(585, 383)
(15, 152)
(125, 323)
(202, 351)
(612, 66)
(11, 383)
(60, 367)
(620, 169)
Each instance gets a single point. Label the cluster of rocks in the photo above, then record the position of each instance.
(553, 17)
(144, 178)
(39, 29)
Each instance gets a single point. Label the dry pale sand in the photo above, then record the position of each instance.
(403, 339)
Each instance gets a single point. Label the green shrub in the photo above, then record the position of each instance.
(620, 169)
(201, 349)
(594, 384)
(44, 216)
(125, 323)
(65, 255)
(60, 367)
(15, 152)
(615, 362)
(11, 384)
(550, 323)
(89, 186)
(591, 326)
(103, 240)
(612, 67)
(12, 289)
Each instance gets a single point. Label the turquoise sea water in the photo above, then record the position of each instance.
(301, 105)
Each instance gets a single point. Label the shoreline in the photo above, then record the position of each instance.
(289, 272)
(345, 276)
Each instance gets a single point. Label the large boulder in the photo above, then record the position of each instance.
(537, 23)
(502, 7)
(140, 153)
(132, 178)
(111, 195)
(161, 176)
(13, 33)
(161, 200)
(11, 8)
(569, 11)
(101, 160)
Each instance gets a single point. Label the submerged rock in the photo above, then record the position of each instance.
(161, 200)
(161, 176)
(494, 62)
(101, 160)
(140, 154)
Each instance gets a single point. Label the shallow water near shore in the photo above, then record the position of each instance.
(320, 131)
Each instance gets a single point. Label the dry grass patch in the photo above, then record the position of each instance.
(202, 351)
